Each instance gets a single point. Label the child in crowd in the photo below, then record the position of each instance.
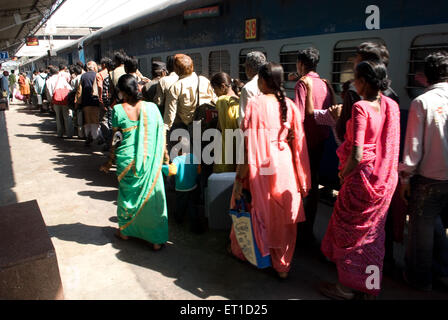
(186, 171)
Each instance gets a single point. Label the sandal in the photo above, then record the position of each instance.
(157, 247)
(121, 236)
(334, 291)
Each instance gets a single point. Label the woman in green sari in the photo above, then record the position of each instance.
(142, 210)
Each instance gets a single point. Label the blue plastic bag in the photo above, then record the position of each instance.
(242, 226)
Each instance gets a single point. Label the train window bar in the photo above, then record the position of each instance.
(242, 61)
(197, 62)
(421, 47)
(219, 61)
(344, 53)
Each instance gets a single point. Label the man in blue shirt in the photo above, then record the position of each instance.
(4, 91)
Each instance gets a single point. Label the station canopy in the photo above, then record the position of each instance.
(20, 19)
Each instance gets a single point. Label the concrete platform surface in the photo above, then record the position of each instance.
(78, 204)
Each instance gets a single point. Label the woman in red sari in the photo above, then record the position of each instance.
(276, 170)
(354, 240)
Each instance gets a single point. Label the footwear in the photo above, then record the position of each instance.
(282, 275)
(157, 247)
(425, 288)
(88, 141)
(334, 291)
(121, 236)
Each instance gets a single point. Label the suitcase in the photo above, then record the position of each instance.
(217, 200)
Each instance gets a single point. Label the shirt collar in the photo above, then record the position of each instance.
(440, 85)
(312, 74)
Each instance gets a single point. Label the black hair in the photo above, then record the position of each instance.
(12, 71)
(158, 68)
(222, 78)
(310, 57)
(436, 67)
(170, 64)
(272, 74)
(61, 67)
(119, 57)
(77, 70)
(129, 85)
(375, 74)
(41, 70)
(107, 62)
(79, 63)
(53, 70)
(371, 51)
(130, 65)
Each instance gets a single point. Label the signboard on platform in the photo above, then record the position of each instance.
(202, 13)
(4, 55)
(32, 41)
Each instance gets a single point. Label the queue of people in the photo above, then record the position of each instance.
(283, 148)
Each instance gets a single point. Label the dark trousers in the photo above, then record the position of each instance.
(186, 205)
(305, 229)
(427, 250)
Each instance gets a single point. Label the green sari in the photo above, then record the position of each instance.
(142, 210)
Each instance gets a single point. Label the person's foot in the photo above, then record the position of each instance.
(157, 247)
(88, 141)
(336, 291)
(121, 236)
(425, 288)
(282, 275)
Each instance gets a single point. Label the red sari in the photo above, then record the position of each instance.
(355, 236)
(279, 178)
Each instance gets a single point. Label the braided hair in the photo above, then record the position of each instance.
(272, 74)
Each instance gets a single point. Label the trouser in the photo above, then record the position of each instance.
(12, 90)
(64, 120)
(106, 123)
(186, 205)
(427, 251)
(92, 122)
(305, 229)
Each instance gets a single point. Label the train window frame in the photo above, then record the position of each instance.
(242, 61)
(347, 46)
(197, 62)
(420, 47)
(287, 51)
(224, 65)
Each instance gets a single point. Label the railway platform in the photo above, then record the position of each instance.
(78, 204)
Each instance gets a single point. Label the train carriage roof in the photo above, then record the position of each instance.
(150, 16)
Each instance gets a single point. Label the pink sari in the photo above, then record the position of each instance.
(355, 236)
(279, 178)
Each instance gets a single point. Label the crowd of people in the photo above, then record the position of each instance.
(136, 118)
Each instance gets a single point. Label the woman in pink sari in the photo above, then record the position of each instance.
(354, 240)
(276, 170)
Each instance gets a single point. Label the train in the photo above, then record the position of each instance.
(218, 34)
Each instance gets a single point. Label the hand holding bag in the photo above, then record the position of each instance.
(243, 228)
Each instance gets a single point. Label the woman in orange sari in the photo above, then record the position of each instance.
(354, 240)
(276, 171)
(24, 86)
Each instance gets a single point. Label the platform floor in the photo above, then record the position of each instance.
(78, 203)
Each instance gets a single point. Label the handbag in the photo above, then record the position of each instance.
(60, 96)
(243, 228)
(19, 96)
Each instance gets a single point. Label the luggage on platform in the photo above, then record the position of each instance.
(217, 200)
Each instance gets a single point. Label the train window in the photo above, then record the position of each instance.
(421, 47)
(197, 62)
(242, 67)
(218, 61)
(343, 55)
(97, 49)
(288, 60)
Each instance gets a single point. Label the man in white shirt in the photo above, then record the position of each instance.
(425, 160)
(254, 61)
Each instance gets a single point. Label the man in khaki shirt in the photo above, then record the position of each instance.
(182, 98)
(165, 84)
